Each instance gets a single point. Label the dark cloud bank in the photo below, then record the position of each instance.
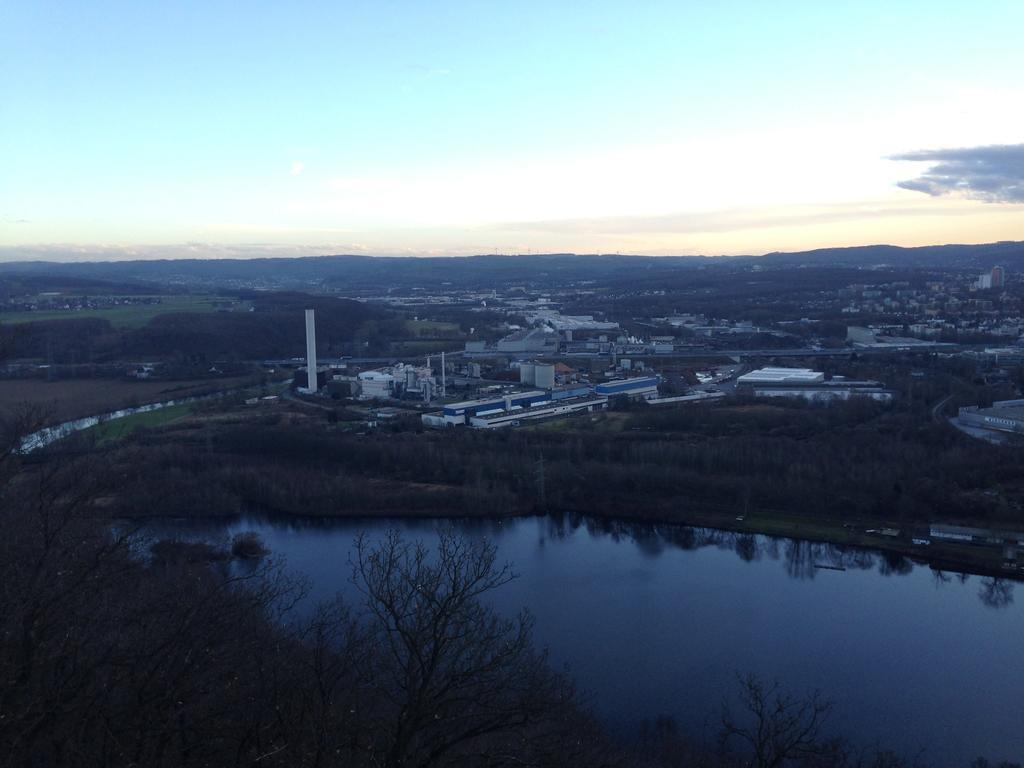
(994, 174)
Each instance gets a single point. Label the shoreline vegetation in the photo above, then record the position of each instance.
(859, 474)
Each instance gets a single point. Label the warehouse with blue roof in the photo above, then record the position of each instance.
(637, 387)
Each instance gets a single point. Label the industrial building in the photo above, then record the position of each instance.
(537, 375)
(461, 413)
(827, 391)
(809, 385)
(781, 376)
(529, 341)
(644, 387)
(512, 408)
(541, 410)
(417, 381)
(570, 390)
(376, 385)
(698, 397)
(398, 381)
(1002, 355)
(1003, 416)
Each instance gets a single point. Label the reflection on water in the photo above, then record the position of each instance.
(802, 559)
(655, 620)
(996, 593)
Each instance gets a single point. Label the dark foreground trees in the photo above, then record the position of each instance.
(111, 657)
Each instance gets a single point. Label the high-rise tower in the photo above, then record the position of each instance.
(998, 277)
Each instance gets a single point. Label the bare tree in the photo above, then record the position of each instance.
(453, 674)
(331, 700)
(775, 726)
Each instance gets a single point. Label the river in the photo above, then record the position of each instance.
(49, 435)
(653, 620)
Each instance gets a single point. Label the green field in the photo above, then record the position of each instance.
(131, 316)
(115, 429)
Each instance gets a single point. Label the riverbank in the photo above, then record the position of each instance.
(939, 555)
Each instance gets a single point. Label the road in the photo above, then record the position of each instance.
(734, 353)
(937, 409)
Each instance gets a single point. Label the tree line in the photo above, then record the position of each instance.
(847, 461)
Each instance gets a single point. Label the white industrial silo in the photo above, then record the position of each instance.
(544, 375)
(527, 374)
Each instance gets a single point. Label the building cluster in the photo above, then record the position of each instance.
(545, 341)
(949, 305)
(951, 309)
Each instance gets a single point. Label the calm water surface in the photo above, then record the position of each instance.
(655, 620)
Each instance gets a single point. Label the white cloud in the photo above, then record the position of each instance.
(297, 167)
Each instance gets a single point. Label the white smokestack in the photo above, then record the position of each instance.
(310, 352)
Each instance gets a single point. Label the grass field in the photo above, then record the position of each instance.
(130, 316)
(118, 428)
(598, 421)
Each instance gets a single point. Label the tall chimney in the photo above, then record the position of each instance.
(310, 352)
(444, 389)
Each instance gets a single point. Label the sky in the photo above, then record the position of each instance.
(180, 128)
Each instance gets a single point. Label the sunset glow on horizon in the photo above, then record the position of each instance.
(197, 129)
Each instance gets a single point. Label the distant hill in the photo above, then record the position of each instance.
(49, 276)
(1007, 253)
(367, 274)
(357, 273)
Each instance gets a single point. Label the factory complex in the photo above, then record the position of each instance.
(529, 390)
